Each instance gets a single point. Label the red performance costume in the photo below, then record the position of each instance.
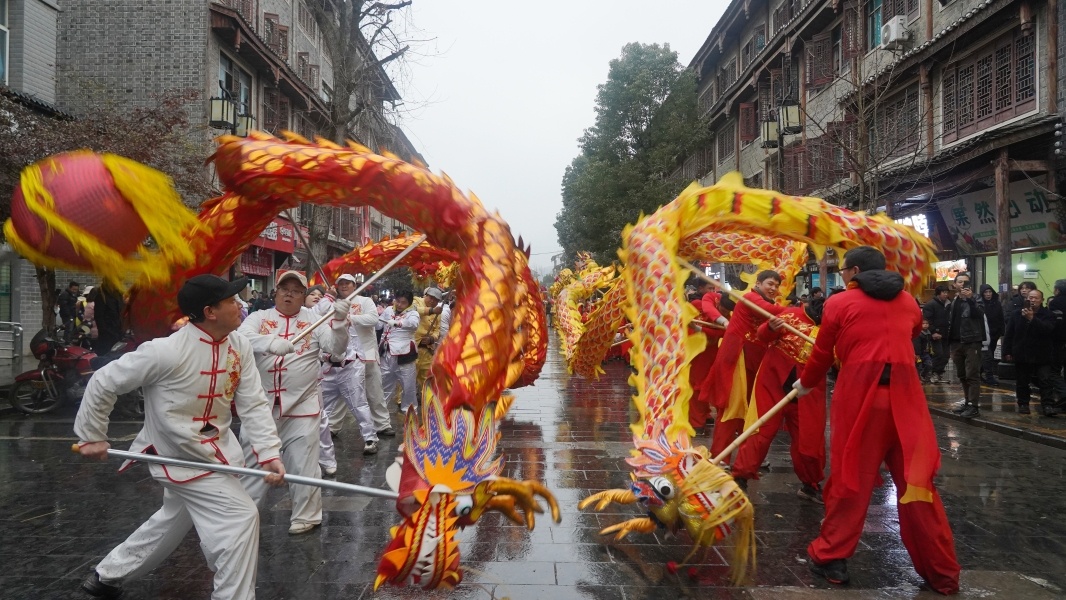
(879, 414)
(699, 407)
(728, 384)
(804, 418)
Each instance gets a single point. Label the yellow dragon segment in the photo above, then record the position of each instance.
(787, 257)
(675, 482)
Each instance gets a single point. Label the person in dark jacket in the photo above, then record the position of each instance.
(1057, 306)
(108, 308)
(990, 305)
(1030, 343)
(1019, 298)
(68, 307)
(936, 312)
(966, 336)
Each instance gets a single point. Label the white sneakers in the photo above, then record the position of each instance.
(298, 528)
(329, 471)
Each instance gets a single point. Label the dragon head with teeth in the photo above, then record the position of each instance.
(449, 477)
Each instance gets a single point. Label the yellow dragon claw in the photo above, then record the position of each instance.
(508, 495)
(605, 498)
(640, 525)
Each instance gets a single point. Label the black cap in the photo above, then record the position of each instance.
(206, 290)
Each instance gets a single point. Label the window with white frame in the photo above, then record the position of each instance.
(3, 42)
(236, 83)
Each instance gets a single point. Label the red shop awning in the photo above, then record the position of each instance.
(279, 235)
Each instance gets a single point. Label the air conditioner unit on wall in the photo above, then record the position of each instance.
(894, 33)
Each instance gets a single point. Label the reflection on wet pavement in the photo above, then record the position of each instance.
(1005, 498)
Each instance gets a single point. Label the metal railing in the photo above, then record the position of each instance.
(10, 340)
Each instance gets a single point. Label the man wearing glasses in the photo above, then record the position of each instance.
(290, 377)
(878, 415)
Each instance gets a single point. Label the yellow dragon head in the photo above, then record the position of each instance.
(449, 478)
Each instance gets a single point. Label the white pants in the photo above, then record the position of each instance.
(392, 372)
(226, 520)
(299, 454)
(375, 395)
(347, 382)
(327, 453)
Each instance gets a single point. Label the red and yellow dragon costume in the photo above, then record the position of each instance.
(672, 479)
(497, 337)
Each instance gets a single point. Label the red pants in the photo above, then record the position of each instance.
(753, 451)
(923, 526)
(699, 406)
(727, 431)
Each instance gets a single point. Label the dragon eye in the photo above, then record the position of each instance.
(663, 487)
(464, 505)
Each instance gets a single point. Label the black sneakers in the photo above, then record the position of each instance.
(970, 412)
(834, 571)
(387, 432)
(809, 492)
(98, 589)
(1023, 409)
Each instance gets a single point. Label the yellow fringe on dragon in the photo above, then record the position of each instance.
(674, 481)
(569, 320)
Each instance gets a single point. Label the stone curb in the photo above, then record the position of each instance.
(1017, 432)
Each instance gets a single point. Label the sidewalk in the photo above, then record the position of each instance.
(999, 412)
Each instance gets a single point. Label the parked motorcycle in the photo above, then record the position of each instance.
(62, 373)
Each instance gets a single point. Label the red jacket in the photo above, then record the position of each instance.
(869, 326)
(786, 351)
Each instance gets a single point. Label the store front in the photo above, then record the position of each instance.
(267, 254)
(1038, 233)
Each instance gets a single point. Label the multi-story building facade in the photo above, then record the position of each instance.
(941, 112)
(266, 56)
(64, 57)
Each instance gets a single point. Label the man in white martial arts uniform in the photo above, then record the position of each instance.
(398, 341)
(346, 374)
(190, 381)
(290, 377)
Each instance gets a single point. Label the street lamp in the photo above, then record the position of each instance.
(227, 114)
(223, 113)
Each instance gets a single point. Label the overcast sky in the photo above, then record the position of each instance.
(509, 86)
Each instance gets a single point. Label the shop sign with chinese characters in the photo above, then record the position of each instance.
(1035, 218)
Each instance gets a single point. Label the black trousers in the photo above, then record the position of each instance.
(988, 360)
(1048, 379)
(941, 351)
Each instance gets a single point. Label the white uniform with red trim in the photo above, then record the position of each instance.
(355, 378)
(190, 383)
(291, 383)
(399, 338)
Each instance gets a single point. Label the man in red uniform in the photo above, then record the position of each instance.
(728, 385)
(706, 302)
(804, 417)
(879, 414)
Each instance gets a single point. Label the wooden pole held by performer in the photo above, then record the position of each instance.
(750, 431)
(740, 298)
(372, 279)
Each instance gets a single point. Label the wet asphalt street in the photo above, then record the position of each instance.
(1005, 497)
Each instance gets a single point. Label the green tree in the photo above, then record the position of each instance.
(646, 119)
